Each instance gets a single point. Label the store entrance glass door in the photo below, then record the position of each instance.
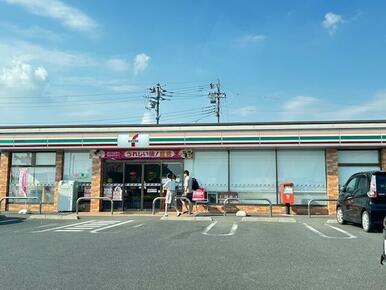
(133, 186)
(151, 184)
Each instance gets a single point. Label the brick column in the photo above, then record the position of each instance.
(5, 160)
(332, 178)
(58, 175)
(383, 159)
(96, 184)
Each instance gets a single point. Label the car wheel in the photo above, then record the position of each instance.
(366, 222)
(339, 216)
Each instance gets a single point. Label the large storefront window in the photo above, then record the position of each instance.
(210, 168)
(253, 173)
(77, 166)
(306, 169)
(33, 175)
(353, 161)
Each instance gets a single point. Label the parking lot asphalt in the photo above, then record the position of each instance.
(222, 253)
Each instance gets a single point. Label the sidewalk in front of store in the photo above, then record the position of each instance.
(160, 214)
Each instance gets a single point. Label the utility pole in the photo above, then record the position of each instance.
(154, 102)
(215, 96)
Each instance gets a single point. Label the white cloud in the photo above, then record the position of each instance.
(141, 62)
(246, 111)
(22, 76)
(370, 109)
(311, 108)
(28, 52)
(55, 9)
(33, 32)
(118, 64)
(250, 39)
(114, 85)
(300, 103)
(332, 21)
(305, 108)
(147, 118)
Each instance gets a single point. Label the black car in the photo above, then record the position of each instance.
(383, 256)
(362, 200)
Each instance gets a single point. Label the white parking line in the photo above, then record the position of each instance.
(111, 226)
(349, 236)
(208, 228)
(137, 226)
(69, 230)
(8, 220)
(344, 232)
(231, 232)
(62, 227)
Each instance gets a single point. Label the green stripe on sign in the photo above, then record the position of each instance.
(31, 141)
(343, 137)
(100, 140)
(295, 138)
(209, 139)
(64, 140)
(252, 138)
(176, 139)
(319, 138)
(6, 141)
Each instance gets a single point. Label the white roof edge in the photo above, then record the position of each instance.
(193, 128)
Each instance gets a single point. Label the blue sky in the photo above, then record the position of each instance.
(93, 61)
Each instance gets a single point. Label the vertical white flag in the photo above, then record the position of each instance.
(23, 173)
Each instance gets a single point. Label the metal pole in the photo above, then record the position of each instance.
(25, 198)
(317, 199)
(218, 101)
(252, 199)
(158, 91)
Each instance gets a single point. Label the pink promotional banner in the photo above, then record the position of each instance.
(122, 154)
(23, 172)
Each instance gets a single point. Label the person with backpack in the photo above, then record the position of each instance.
(188, 191)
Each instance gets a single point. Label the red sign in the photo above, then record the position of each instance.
(140, 154)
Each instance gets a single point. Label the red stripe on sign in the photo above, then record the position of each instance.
(182, 144)
(240, 143)
(278, 143)
(61, 145)
(319, 142)
(361, 142)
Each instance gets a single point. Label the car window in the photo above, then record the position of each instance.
(362, 186)
(381, 183)
(350, 186)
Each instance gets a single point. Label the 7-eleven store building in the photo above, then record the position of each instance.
(247, 159)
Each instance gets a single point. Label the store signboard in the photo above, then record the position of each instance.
(121, 154)
(133, 140)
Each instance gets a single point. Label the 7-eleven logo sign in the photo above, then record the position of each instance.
(133, 140)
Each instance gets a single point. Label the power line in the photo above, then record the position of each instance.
(82, 95)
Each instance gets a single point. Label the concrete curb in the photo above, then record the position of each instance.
(269, 219)
(53, 217)
(193, 218)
